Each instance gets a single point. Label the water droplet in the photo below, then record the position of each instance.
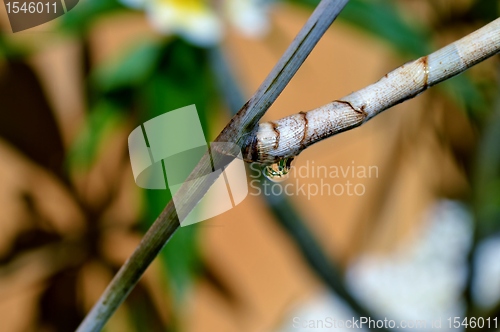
(279, 171)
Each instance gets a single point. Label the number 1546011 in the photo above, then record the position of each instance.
(38, 7)
(472, 322)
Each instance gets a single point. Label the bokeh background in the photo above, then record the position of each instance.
(421, 243)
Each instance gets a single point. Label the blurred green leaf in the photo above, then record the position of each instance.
(467, 94)
(182, 77)
(145, 315)
(101, 120)
(180, 258)
(381, 19)
(132, 70)
(79, 19)
(182, 261)
(486, 185)
(12, 51)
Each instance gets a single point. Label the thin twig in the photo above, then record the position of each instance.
(283, 209)
(238, 128)
(289, 136)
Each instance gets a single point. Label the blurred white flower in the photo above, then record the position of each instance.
(192, 19)
(201, 21)
(250, 17)
(425, 278)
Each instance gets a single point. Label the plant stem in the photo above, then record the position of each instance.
(238, 128)
(289, 136)
(283, 209)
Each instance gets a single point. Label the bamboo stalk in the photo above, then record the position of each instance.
(236, 131)
(286, 213)
(287, 137)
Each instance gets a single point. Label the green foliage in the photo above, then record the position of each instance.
(80, 19)
(154, 77)
(132, 70)
(381, 19)
(486, 191)
(102, 119)
(181, 78)
(467, 94)
(10, 51)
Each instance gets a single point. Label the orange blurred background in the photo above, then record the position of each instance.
(254, 275)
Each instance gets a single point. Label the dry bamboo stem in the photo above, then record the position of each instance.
(287, 137)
